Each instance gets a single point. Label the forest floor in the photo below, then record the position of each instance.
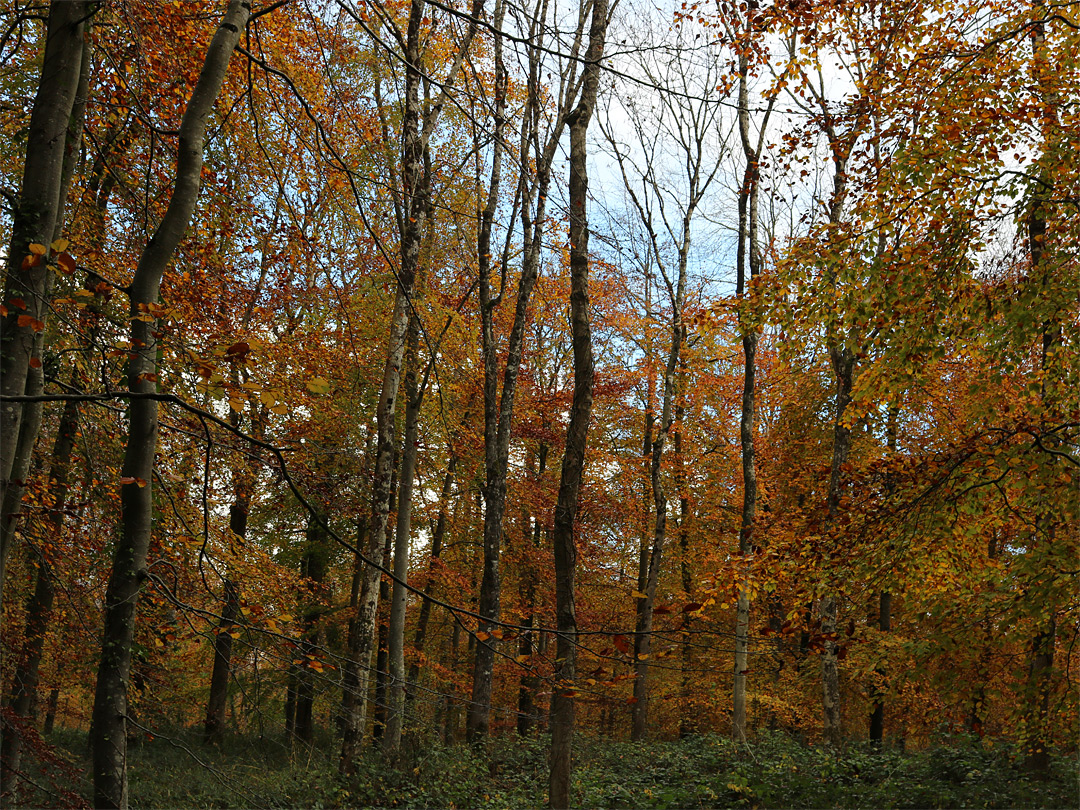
(707, 771)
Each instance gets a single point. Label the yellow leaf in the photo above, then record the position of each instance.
(37, 250)
(482, 636)
(318, 385)
(60, 245)
(639, 595)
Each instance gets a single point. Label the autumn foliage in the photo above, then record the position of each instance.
(913, 301)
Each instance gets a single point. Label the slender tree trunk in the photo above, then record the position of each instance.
(214, 726)
(843, 366)
(378, 714)
(314, 567)
(437, 539)
(402, 536)
(562, 713)
(877, 716)
(39, 607)
(109, 737)
(417, 127)
(40, 202)
(35, 218)
(688, 720)
(350, 676)
(50, 711)
(529, 682)
(748, 267)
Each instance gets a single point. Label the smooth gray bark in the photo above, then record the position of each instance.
(110, 715)
(53, 140)
(395, 714)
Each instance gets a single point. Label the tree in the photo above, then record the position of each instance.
(682, 129)
(109, 736)
(53, 138)
(562, 700)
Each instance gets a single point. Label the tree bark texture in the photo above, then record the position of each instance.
(314, 565)
(109, 732)
(562, 712)
(395, 715)
(497, 416)
(37, 212)
(53, 142)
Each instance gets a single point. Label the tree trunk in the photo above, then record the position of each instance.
(109, 737)
(314, 567)
(416, 129)
(39, 606)
(438, 536)
(688, 720)
(350, 677)
(402, 536)
(877, 716)
(50, 711)
(24, 419)
(843, 365)
(35, 218)
(562, 713)
(214, 726)
(529, 682)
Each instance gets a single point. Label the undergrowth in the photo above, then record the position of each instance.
(708, 771)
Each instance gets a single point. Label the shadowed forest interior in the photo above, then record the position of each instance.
(570, 403)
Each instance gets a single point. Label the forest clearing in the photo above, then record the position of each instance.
(582, 403)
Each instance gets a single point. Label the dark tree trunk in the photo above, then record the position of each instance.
(34, 221)
(39, 218)
(877, 716)
(214, 727)
(438, 536)
(50, 711)
(562, 712)
(314, 567)
(109, 729)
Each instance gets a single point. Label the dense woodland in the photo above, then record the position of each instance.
(385, 375)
